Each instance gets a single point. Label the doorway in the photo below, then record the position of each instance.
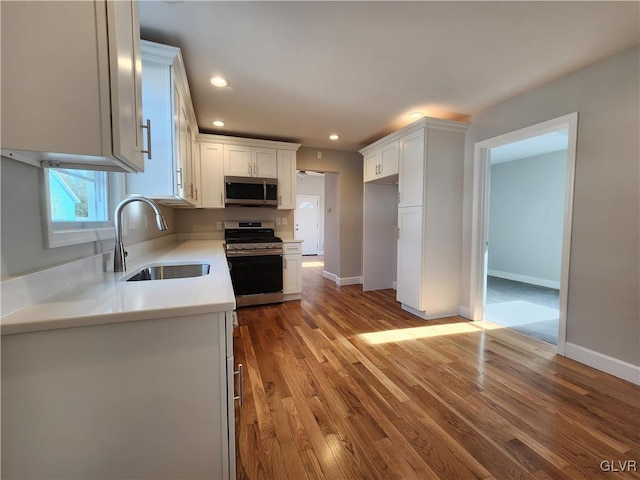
(489, 281)
(307, 223)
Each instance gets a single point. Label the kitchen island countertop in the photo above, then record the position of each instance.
(108, 298)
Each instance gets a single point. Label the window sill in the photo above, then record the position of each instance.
(61, 238)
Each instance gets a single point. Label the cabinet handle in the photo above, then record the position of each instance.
(285, 263)
(255, 169)
(250, 167)
(380, 169)
(191, 190)
(196, 194)
(148, 150)
(240, 373)
(279, 199)
(179, 184)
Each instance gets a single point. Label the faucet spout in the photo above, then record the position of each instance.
(119, 255)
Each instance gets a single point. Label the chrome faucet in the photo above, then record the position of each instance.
(119, 256)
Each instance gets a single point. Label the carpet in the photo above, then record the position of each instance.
(528, 318)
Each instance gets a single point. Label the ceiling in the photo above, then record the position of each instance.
(530, 147)
(300, 71)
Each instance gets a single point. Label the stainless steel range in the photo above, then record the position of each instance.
(254, 255)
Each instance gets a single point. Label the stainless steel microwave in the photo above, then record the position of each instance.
(251, 191)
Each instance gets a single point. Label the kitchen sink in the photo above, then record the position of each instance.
(164, 272)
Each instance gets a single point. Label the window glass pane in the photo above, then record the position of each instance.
(78, 195)
(306, 206)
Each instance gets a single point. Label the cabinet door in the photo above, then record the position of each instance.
(371, 165)
(286, 179)
(411, 169)
(180, 147)
(264, 162)
(410, 257)
(212, 175)
(292, 274)
(237, 161)
(126, 82)
(389, 160)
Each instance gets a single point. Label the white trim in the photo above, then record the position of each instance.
(543, 282)
(341, 282)
(605, 363)
(413, 311)
(480, 212)
(330, 276)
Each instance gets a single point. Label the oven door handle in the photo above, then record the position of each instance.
(254, 253)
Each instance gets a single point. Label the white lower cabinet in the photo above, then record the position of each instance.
(409, 276)
(292, 270)
(139, 399)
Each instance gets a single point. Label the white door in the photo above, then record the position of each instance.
(307, 218)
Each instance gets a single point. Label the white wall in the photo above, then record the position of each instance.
(314, 185)
(526, 214)
(604, 274)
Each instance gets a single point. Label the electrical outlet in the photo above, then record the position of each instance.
(218, 225)
(284, 220)
(278, 221)
(319, 155)
(132, 222)
(146, 220)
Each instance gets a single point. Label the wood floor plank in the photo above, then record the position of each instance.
(344, 384)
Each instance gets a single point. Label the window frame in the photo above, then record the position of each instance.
(61, 234)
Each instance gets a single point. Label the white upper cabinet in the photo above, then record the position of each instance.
(286, 179)
(411, 169)
(381, 163)
(237, 161)
(264, 162)
(170, 175)
(245, 161)
(71, 87)
(223, 156)
(211, 175)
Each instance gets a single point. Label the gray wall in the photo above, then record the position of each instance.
(314, 185)
(526, 214)
(22, 234)
(604, 277)
(347, 227)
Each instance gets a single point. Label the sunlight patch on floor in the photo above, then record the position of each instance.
(312, 264)
(428, 331)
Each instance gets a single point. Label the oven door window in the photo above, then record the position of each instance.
(253, 275)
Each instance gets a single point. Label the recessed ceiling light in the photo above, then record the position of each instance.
(219, 81)
(416, 115)
(334, 136)
(218, 123)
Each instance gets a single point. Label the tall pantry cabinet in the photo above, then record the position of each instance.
(427, 221)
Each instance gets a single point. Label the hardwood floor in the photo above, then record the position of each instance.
(345, 385)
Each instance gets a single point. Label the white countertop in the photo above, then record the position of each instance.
(107, 298)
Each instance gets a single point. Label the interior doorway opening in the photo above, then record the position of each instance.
(527, 180)
(522, 228)
(309, 213)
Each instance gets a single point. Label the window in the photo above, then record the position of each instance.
(79, 205)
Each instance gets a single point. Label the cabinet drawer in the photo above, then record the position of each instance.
(292, 248)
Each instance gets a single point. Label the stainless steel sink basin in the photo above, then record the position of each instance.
(164, 272)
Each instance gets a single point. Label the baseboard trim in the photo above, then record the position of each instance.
(516, 277)
(341, 282)
(604, 363)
